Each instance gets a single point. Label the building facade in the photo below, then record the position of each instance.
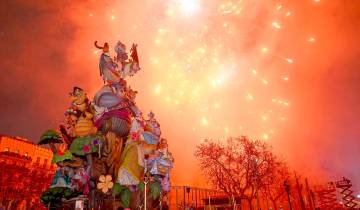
(25, 172)
(39, 155)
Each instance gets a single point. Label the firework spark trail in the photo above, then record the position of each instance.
(208, 56)
(211, 55)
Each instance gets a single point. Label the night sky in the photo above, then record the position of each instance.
(286, 72)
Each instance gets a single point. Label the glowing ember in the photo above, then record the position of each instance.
(276, 25)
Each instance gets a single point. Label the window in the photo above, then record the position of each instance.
(6, 149)
(38, 159)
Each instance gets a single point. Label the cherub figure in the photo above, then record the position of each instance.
(71, 117)
(81, 112)
(108, 67)
(112, 70)
(159, 164)
(79, 181)
(131, 95)
(80, 101)
(62, 178)
(131, 67)
(121, 55)
(152, 125)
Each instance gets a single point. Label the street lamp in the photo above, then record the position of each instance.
(287, 189)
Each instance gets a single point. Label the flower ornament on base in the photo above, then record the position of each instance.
(105, 183)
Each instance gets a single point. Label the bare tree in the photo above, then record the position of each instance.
(239, 167)
(273, 188)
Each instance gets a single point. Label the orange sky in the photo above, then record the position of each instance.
(282, 71)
